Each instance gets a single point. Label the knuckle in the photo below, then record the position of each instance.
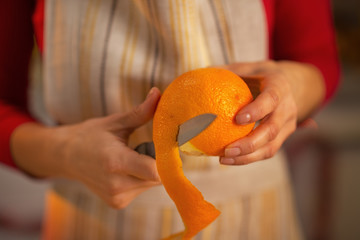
(251, 147)
(110, 166)
(154, 175)
(245, 160)
(273, 131)
(136, 112)
(242, 161)
(274, 97)
(109, 160)
(270, 152)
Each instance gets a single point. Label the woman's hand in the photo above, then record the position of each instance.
(286, 94)
(94, 152)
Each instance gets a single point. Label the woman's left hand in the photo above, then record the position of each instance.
(287, 93)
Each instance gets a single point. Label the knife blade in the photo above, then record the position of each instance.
(187, 131)
(193, 127)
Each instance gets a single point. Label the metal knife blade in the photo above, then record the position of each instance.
(193, 127)
(187, 131)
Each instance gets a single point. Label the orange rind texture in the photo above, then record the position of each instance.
(207, 90)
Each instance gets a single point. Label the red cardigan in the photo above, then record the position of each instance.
(298, 30)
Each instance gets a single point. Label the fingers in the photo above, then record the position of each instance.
(264, 133)
(135, 164)
(266, 139)
(113, 184)
(137, 116)
(119, 199)
(275, 86)
(248, 155)
(263, 105)
(123, 176)
(122, 200)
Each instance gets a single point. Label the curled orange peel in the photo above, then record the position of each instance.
(191, 94)
(195, 212)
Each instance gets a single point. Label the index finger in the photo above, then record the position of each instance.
(262, 106)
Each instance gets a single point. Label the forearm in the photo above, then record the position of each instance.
(307, 85)
(32, 147)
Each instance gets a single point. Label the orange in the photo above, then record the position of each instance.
(206, 90)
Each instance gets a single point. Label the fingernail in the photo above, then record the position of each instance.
(243, 118)
(152, 90)
(227, 161)
(232, 152)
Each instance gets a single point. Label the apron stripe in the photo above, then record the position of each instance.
(124, 56)
(166, 225)
(104, 57)
(268, 219)
(130, 81)
(219, 7)
(179, 36)
(86, 43)
(220, 35)
(145, 84)
(156, 54)
(173, 37)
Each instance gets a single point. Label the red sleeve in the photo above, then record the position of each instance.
(16, 43)
(38, 22)
(303, 30)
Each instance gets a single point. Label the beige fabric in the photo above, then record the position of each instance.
(117, 50)
(102, 57)
(255, 201)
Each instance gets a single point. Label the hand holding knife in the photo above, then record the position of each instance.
(187, 131)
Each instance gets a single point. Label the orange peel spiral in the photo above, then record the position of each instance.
(206, 90)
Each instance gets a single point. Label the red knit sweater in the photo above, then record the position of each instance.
(298, 30)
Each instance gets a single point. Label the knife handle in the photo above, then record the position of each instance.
(146, 148)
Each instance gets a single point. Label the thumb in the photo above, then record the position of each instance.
(138, 116)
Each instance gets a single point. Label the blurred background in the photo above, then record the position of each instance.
(324, 164)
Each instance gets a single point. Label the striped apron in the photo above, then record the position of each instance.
(102, 57)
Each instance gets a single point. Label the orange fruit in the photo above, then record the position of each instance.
(206, 90)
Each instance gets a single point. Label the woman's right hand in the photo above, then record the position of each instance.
(94, 152)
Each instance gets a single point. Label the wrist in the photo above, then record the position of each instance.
(307, 87)
(33, 148)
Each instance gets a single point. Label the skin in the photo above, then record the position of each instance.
(289, 92)
(95, 151)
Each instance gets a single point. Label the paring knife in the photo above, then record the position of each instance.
(187, 131)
